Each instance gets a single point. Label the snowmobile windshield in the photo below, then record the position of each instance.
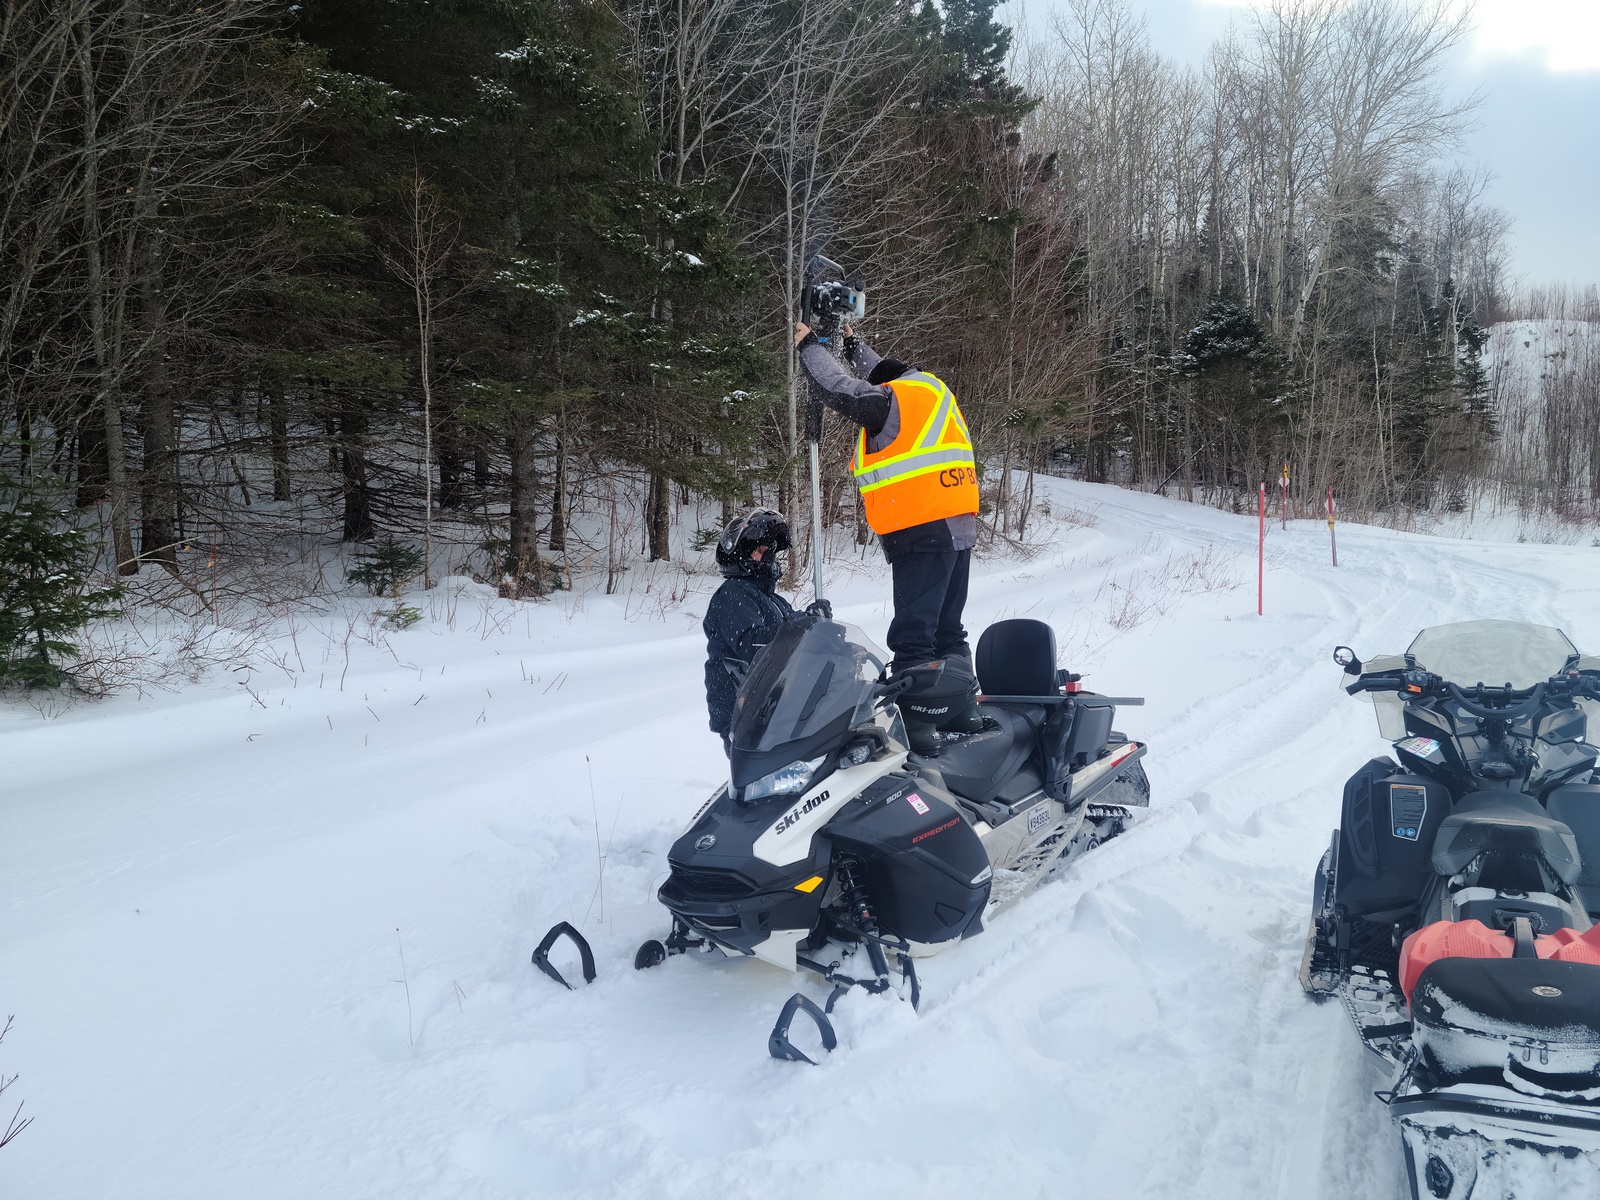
(1472, 652)
(1493, 652)
(815, 677)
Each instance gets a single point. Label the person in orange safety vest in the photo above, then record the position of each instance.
(918, 478)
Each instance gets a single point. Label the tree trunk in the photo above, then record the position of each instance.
(107, 389)
(452, 465)
(523, 552)
(659, 517)
(91, 461)
(358, 525)
(278, 424)
(558, 501)
(158, 413)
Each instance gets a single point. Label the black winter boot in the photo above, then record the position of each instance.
(964, 717)
(922, 737)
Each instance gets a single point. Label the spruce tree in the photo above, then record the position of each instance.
(45, 595)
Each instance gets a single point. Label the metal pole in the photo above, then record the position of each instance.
(1261, 552)
(816, 522)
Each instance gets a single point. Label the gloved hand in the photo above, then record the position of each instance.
(820, 608)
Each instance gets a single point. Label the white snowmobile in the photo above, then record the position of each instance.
(831, 843)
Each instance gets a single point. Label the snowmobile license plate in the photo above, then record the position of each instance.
(1408, 804)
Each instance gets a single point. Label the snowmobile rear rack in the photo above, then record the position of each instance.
(541, 955)
(1080, 699)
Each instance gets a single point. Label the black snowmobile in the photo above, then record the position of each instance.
(1453, 912)
(834, 850)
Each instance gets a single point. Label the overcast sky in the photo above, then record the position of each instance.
(1538, 61)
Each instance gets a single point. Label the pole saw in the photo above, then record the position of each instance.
(825, 301)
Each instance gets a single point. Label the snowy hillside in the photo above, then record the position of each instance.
(205, 899)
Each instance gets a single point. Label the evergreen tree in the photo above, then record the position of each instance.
(44, 593)
(586, 292)
(1237, 375)
(977, 46)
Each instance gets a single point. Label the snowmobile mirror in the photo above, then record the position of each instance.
(1347, 659)
(779, 1045)
(541, 955)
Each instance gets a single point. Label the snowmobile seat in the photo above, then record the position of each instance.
(982, 765)
(1505, 823)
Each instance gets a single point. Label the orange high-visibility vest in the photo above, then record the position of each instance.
(928, 471)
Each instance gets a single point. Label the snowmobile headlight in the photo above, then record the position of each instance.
(785, 781)
(856, 753)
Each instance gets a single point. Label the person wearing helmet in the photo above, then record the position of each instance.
(746, 611)
(918, 479)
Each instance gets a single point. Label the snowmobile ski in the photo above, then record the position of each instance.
(778, 1043)
(541, 954)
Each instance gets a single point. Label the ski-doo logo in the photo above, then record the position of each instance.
(792, 817)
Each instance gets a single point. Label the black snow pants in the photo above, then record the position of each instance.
(930, 590)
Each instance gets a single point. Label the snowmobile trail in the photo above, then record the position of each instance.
(201, 896)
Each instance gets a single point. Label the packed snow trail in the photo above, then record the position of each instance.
(206, 898)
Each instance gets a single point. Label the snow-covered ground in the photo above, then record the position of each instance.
(206, 897)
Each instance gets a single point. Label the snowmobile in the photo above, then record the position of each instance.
(1454, 910)
(832, 849)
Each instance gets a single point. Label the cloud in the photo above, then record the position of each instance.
(1559, 35)
(1563, 35)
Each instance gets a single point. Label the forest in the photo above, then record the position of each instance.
(519, 275)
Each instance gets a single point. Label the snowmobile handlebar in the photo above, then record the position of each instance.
(1531, 699)
(1417, 684)
(1514, 703)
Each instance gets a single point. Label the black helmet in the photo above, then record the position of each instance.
(757, 527)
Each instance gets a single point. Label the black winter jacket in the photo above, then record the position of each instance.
(743, 616)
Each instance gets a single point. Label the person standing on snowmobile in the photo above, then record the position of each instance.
(746, 611)
(919, 483)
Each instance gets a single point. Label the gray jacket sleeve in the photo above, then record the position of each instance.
(863, 358)
(866, 405)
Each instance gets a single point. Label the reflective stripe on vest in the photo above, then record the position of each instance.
(893, 481)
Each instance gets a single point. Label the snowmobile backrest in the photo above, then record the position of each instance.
(1017, 658)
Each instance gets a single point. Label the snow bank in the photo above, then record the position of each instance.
(268, 936)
